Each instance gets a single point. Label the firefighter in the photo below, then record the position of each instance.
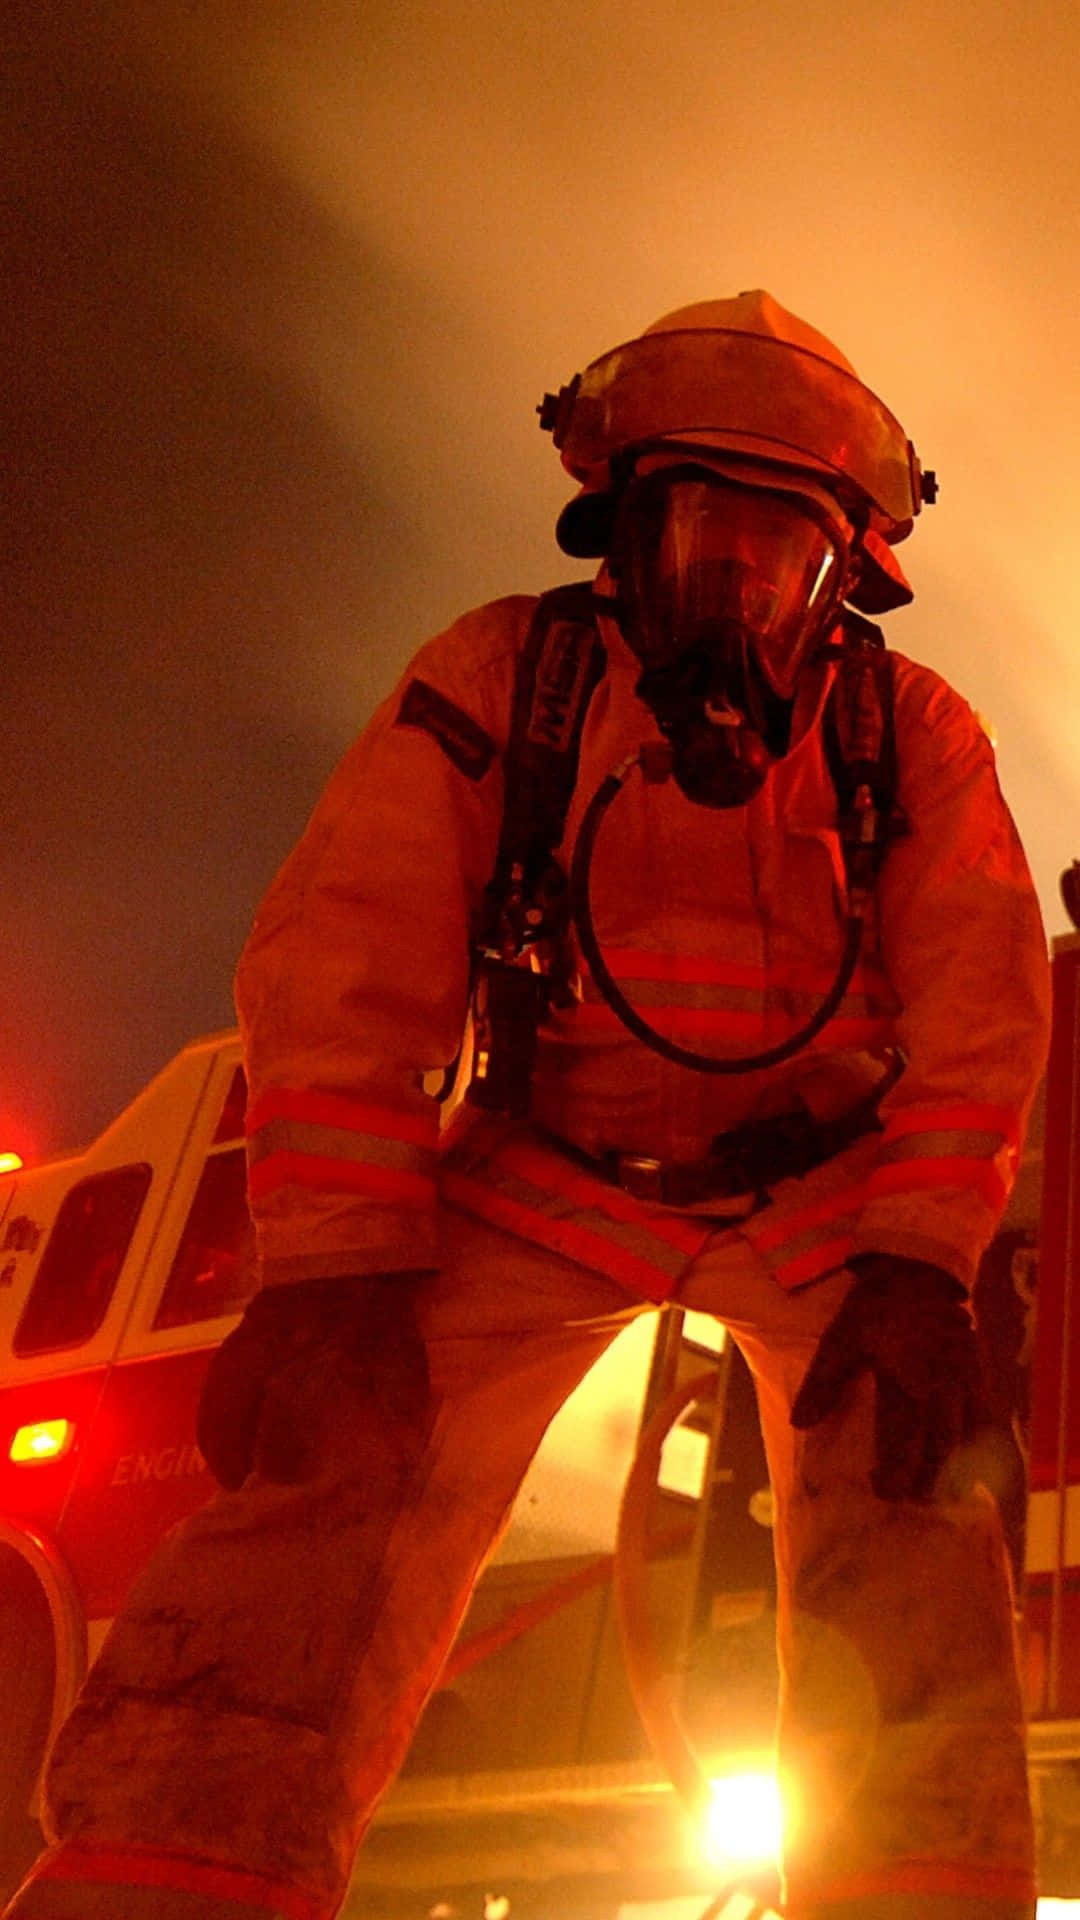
(759, 1010)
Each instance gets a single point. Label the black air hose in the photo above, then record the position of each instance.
(581, 912)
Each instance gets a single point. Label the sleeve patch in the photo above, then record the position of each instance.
(462, 739)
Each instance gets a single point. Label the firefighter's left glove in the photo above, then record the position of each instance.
(906, 1323)
(303, 1353)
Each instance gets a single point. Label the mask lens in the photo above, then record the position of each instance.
(704, 563)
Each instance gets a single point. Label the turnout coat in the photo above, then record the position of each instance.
(725, 928)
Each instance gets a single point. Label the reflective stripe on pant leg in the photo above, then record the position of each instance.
(901, 1727)
(261, 1686)
(92, 1883)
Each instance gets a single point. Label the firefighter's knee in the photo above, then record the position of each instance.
(315, 1368)
(359, 1396)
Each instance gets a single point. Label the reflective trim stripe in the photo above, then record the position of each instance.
(338, 1111)
(323, 1141)
(333, 1143)
(549, 1172)
(738, 999)
(963, 1116)
(823, 1258)
(814, 1241)
(634, 963)
(821, 1213)
(968, 1144)
(847, 1030)
(950, 1170)
(801, 1250)
(745, 1003)
(540, 1197)
(576, 1243)
(926, 1877)
(316, 1171)
(944, 1146)
(136, 1867)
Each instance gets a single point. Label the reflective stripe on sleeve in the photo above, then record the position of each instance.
(962, 1116)
(815, 1262)
(816, 1240)
(337, 1110)
(967, 1144)
(321, 1174)
(922, 1174)
(328, 1143)
(802, 1246)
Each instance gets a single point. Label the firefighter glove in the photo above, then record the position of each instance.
(309, 1358)
(908, 1324)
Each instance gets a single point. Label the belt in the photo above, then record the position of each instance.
(740, 1165)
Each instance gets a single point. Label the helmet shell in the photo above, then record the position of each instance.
(745, 377)
(753, 312)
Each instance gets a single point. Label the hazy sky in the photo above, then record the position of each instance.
(287, 281)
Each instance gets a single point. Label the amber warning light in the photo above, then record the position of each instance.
(44, 1440)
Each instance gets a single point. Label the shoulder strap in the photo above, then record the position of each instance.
(518, 952)
(860, 749)
(559, 668)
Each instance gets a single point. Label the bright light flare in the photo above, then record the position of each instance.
(744, 1824)
(10, 1162)
(43, 1440)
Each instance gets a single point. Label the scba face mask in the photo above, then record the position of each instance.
(724, 590)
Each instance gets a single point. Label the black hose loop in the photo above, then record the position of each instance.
(581, 913)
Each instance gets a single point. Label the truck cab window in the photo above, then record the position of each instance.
(214, 1269)
(81, 1264)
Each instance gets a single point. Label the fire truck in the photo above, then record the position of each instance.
(633, 1589)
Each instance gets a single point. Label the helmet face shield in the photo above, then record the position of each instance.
(743, 576)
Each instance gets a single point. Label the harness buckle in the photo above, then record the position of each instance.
(641, 1177)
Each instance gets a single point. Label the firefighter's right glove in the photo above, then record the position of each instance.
(302, 1351)
(907, 1323)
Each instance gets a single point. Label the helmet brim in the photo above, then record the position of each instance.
(743, 393)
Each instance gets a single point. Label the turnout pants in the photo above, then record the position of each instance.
(261, 1687)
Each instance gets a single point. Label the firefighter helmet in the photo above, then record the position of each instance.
(746, 378)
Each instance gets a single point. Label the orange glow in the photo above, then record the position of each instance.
(44, 1440)
(10, 1162)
